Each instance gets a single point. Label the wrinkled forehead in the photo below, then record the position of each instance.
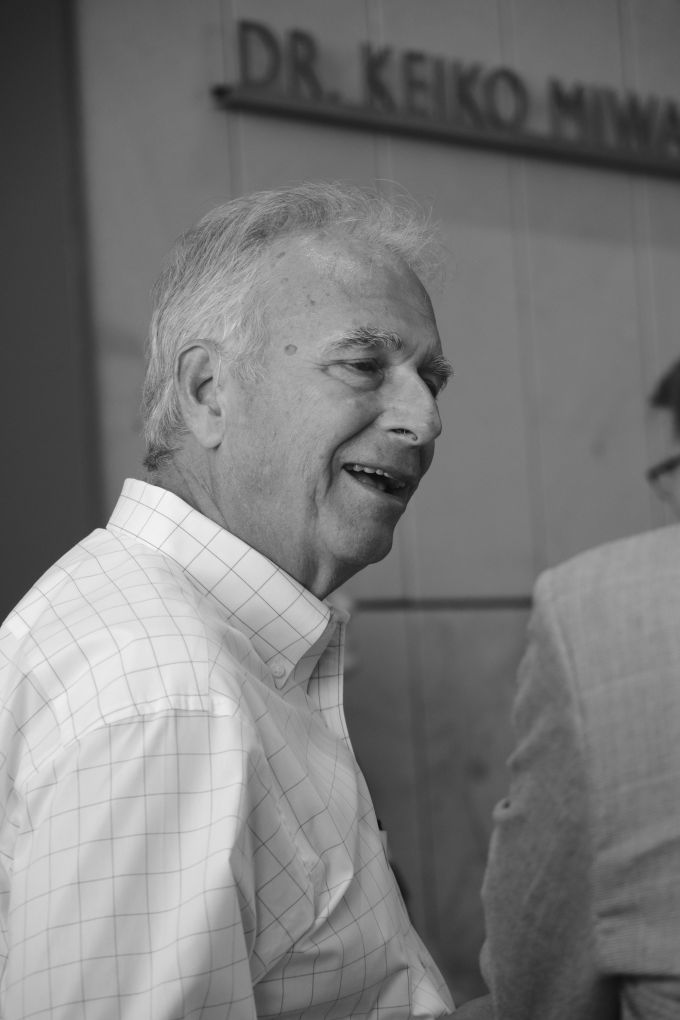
(331, 263)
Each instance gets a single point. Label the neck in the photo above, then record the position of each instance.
(184, 475)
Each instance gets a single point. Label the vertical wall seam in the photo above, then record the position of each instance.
(383, 155)
(525, 322)
(407, 551)
(375, 32)
(640, 226)
(413, 625)
(234, 121)
(383, 167)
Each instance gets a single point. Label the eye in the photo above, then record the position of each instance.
(435, 386)
(366, 373)
(365, 366)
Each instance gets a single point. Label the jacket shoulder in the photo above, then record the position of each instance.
(641, 564)
(608, 625)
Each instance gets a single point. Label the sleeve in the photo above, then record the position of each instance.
(134, 892)
(540, 956)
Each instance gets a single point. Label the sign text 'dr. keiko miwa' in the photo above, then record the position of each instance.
(413, 93)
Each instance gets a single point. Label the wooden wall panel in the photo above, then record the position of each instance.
(428, 707)
(467, 674)
(659, 269)
(652, 68)
(586, 357)
(579, 41)
(156, 158)
(470, 525)
(385, 725)
(576, 245)
(650, 40)
(458, 543)
(468, 30)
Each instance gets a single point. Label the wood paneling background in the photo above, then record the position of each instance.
(560, 309)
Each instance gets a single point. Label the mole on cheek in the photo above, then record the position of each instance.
(290, 349)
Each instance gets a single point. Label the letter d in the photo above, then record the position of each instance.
(258, 53)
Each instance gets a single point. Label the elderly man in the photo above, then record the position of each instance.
(185, 830)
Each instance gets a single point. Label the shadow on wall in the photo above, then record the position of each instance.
(121, 377)
(51, 482)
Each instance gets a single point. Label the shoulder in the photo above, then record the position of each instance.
(105, 594)
(608, 622)
(627, 575)
(113, 630)
(611, 618)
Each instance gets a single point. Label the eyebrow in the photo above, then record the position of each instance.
(366, 338)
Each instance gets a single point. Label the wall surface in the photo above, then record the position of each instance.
(50, 468)
(560, 309)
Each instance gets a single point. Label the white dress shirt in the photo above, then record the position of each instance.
(184, 830)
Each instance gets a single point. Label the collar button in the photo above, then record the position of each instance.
(278, 669)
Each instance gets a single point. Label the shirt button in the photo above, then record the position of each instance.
(278, 669)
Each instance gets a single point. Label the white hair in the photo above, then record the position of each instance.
(209, 290)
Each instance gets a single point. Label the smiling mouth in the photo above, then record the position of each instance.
(380, 480)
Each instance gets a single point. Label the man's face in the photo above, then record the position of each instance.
(321, 456)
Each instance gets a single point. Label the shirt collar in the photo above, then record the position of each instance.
(282, 619)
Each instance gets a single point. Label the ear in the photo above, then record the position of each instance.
(197, 388)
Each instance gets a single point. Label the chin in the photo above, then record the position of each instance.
(348, 561)
(361, 553)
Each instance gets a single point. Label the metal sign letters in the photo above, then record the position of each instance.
(412, 93)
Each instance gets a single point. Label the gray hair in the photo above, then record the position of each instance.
(209, 290)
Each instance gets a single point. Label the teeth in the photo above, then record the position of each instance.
(378, 471)
(371, 471)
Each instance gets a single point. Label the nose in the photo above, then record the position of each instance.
(411, 411)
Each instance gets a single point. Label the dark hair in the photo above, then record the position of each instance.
(666, 395)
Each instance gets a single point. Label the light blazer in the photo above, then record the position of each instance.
(582, 891)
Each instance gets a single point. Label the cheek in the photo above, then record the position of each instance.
(342, 413)
(252, 457)
(296, 444)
